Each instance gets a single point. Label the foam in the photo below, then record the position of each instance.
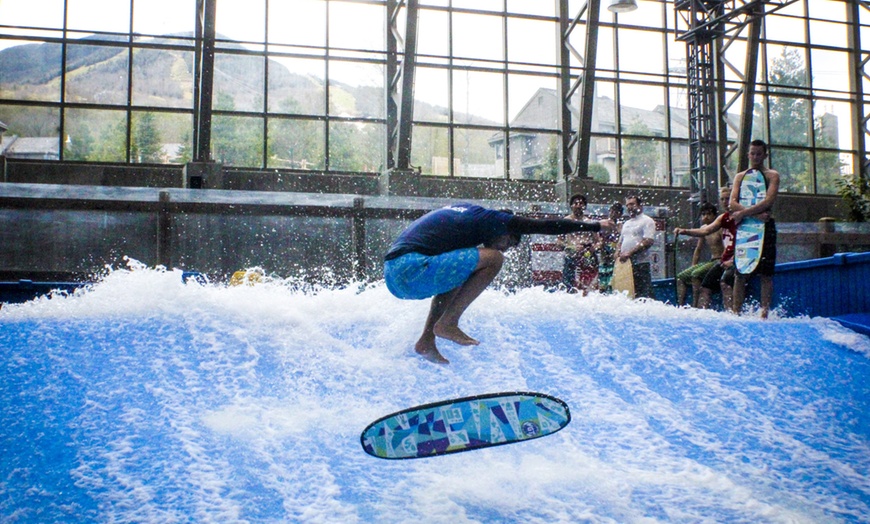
(162, 401)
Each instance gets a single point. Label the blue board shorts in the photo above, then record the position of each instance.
(414, 276)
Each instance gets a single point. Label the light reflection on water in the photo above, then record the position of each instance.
(144, 399)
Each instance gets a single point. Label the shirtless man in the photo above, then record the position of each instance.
(581, 252)
(452, 254)
(694, 275)
(763, 211)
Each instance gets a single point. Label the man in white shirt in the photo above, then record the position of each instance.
(638, 235)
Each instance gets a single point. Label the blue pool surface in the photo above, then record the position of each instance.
(143, 399)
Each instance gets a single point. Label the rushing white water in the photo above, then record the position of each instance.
(144, 399)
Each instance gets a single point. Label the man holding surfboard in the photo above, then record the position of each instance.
(752, 198)
(638, 235)
(452, 254)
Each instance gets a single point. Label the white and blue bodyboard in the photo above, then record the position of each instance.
(750, 230)
(464, 424)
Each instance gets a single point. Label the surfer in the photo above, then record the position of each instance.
(452, 254)
(763, 211)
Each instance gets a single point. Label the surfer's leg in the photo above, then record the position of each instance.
(739, 293)
(447, 326)
(766, 294)
(425, 346)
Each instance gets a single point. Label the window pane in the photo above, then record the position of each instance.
(301, 22)
(642, 109)
(830, 70)
(680, 164)
(647, 14)
(97, 15)
(534, 101)
(237, 140)
(296, 144)
(241, 20)
(96, 74)
(478, 97)
(430, 95)
(30, 72)
(644, 162)
(833, 125)
(787, 66)
(602, 163)
(679, 112)
(544, 34)
(238, 82)
(161, 138)
(827, 9)
(534, 156)
(830, 167)
(432, 33)
(296, 86)
(789, 120)
(478, 36)
(532, 7)
(477, 153)
(32, 132)
(356, 89)
(829, 33)
(164, 17)
(480, 5)
(785, 28)
(95, 135)
(356, 146)
(356, 26)
(429, 150)
(162, 78)
(640, 51)
(795, 170)
(604, 57)
(603, 110)
(32, 13)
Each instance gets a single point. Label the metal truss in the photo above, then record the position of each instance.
(709, 27)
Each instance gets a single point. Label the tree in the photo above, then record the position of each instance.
(640, 157)
(599, 173)
(146, 146)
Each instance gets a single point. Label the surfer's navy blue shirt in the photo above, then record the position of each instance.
(450, 228)
(464, 225)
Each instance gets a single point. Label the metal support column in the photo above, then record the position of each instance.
(861, 108)
(400, 78)
(203, 80)
(576, 140)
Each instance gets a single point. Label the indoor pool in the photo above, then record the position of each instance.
(144, 399)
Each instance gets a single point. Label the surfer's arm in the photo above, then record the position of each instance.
(702, 231)
(556, 226)
(734, 202)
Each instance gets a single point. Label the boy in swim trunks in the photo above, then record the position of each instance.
(452, 254)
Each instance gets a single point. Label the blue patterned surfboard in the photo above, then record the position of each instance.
(464, 424)
(750, 231)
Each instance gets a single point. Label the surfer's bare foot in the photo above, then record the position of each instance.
(454, 334)
(428, 350)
